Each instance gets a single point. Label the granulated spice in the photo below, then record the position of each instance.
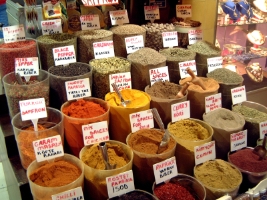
(164, 90)
(226, 76)
(55, 174)
(246, 160)
(93, 157)
(134, 195)
(218, 174)
(25, 146)
(209, 83)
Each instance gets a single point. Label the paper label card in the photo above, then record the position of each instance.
(14, 33)
(159, 74)
(141, 120)
(95, 133)
(64, 55)
(103, 49)
(99, 3)
(48, 148)
(194, 36)
(73, 194)
(32, 109)
(263, 129)
(134, 43)
(183, 11)
(170, 39)
(205, 152)
(239, 94)
(151, 13)
(165, 170)
(50, 27)
(184, 65)
(90, 22)
(120, 184)
(78, 89)
(122, 80)
(180, 111)
(238, 140)
(214, 63)
(119, 17)
(213, 102)
(27, 66)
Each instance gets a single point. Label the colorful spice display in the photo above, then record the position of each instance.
(246, 160)
(134, 195)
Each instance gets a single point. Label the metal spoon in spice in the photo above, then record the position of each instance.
(181, 93)
(103, 148)
(116, 89)
(196, 80)
(260, 150)
(166, 137)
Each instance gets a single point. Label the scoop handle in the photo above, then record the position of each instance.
(116, 89)
(158, 119)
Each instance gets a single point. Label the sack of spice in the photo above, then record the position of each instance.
(135, 194)
(142, 61)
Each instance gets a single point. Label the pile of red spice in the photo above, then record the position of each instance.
(172, 191)
(246, 160)
(83, 109)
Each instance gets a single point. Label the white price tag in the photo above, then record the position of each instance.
(165, 170)
(134, 43)
(119, 17)
(78, 89)
(48, 148)
(213, 102)
(170, 39)
(159, 74)
(180, 111)
(95, 133)
(122, 80)
(120, 184)
(141, 120)
(27, 67)
(32, 109)
(99, 3)
(90, 22)
(194, 36)
(238, 94)
(183, 11)
(238, 140)
(151, 13)
(103, 49)
(184, 65)
(205, 152)
(50, 27)
(214, 63)
(64, 55)
(263, 129)
(72, 194)
(14, 33)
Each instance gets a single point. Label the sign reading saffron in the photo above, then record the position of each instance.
(32, 109)
(238, 140)
(141, 120)
(50, 27)
(205, 152)
(78, 89)
(103, 49)
(183, 65)
(180, 111)
(120, 184)
(48, 148)
(122, 80)
(64, 55)
(73, 194)
(238, 94)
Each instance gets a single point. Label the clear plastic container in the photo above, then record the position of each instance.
(45, 193)
(15, 92)
(73, 126)
(53, 125)
(95, 179)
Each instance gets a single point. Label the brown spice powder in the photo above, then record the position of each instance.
(209, 83)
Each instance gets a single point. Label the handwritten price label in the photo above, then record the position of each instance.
(134, 43)
(122, 80)
(213, 102)
(48, 148)
(238, 94)
(214, 63)
(159, 74)
(184, 65)
(50, 27)
(141, 120)
(238, 140)
(33, 109)
(205, 152)
(99, 3)
(180, 111)
(151, 13)
(120, 184)
(72, 194)
(14, 33)
(119, 17)
(170, 39)
(95, 133)
(90, 22)
(27, 67)
(64, 55)
(263, 129)
(195, 35)
(183, 11)
(103, 49)
(78, 89)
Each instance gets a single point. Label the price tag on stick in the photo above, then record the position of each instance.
(64, 55)
(263, 129)
(183, 11)
(180, 111)
(204, 152)
(213, 102)
(141, 120)
(238, 94)
(122, 80)
(90, 22)
(50, 27)
(119, 17)
(78, 89)
(134, 43)
(151, 13)
(238, 140)
(170, 39)
(159, 74)
(184, 65)
(27, 67)
(72, 194)
(195, 35)
(14, 33)
(214, 63)
(103, 49)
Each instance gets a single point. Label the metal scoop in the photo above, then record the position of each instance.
(123, 102)
(166, 137)
(260, 150)
(103, 149)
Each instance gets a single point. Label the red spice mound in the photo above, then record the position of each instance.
(172, 191)
(18, 44)
(55, 174)
(246, 160)
(83, 109)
